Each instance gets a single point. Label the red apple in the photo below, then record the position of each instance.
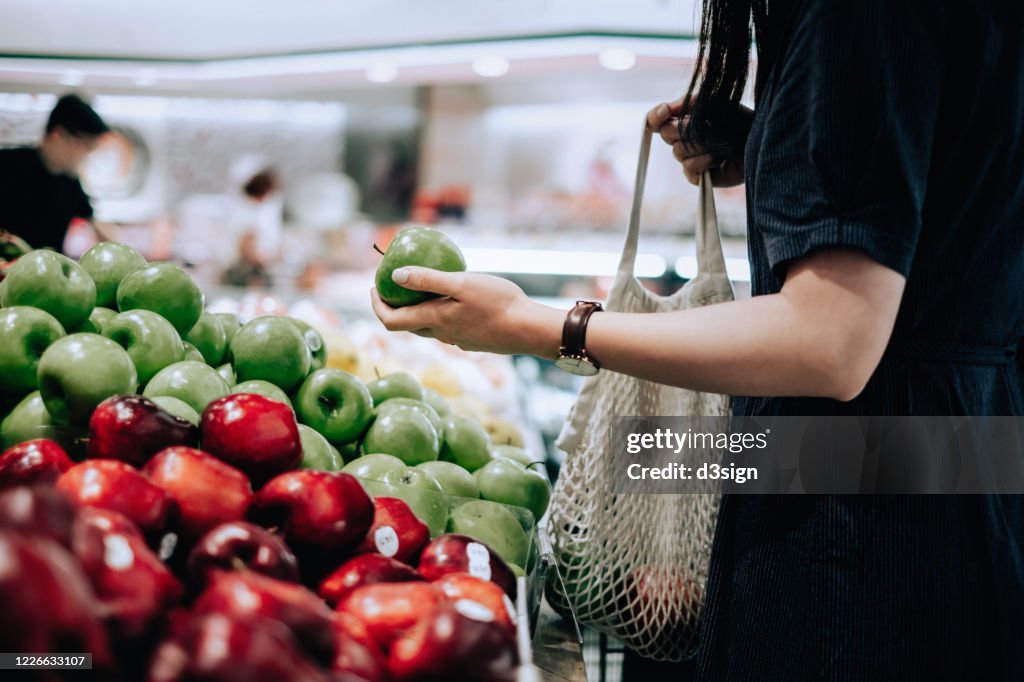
(238, 545)
(119, 487)
(389, 609)
(208, 491)
(322, 513)
(33, 461)
(254, 433)
(38, 512)
(48, 606)
(668, 590)
(453, 553)
(131, 582)
(460, 586)
(396, 531)
(366, 569)
(246, 594)
(218, 647)
(132, 428)
(358, 653)
(455, 641)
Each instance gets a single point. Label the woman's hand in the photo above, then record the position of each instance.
(476, 312)
(664, 120)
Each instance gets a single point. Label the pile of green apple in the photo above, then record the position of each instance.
(73, 334)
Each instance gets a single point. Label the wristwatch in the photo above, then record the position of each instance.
(572, 356)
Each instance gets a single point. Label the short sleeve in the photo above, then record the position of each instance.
(850, 112)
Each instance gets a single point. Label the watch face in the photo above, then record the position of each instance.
(575, 365)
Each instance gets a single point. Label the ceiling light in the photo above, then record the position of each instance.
(568, 263)
(145, 77)
(490, 66)
(382, 72)
(737, 268)
(616, 59)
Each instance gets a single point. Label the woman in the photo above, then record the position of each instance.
(884, 170)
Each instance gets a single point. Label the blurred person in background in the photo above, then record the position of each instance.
(40, 193)
(884, 172)
(257, 225)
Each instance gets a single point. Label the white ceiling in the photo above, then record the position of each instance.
(217, 29)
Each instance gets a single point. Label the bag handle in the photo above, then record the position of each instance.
(710, 258)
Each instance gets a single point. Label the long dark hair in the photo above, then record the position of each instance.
(717, 122)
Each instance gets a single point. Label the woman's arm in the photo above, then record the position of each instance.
(822, 335)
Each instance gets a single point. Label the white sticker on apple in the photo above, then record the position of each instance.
(386, 540)
(479, 560)
(474, 610)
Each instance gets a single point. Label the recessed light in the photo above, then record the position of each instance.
(382, 72)
(617, 59)
(490, 66)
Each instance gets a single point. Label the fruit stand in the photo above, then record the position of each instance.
(202, 493)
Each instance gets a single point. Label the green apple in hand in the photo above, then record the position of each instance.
(165, 289)
(230, 323)
(209, 338)
(271, 348)
(396, 385)
(372, 467)
(465, 443)
(509, 482)
(51, 282)
(192, 353)
(493, 525)
(152, 343)
(454, 479)
(264, 388)
(25, 333)
(194, 383)
(227, 373)
(405, 433)
(30, 420)
(336, 404)
(420, 491)
(315, 341)
(420, 246)
(178, 408)
(108, 263)
(317, 453)
(78, 372)
(436, 401)
(418, 405)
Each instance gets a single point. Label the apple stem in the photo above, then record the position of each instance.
(376, 370)
(238, 564)
(377, 249)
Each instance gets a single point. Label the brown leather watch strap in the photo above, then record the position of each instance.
(574, 331)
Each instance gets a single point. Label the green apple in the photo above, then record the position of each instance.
(405, 433)
(152, 343)
(264, 388)
(25, 333)
(465, 443)
(78, 372)
(271, 348)
(437, 401)
(373, 467)
(163, 288)
(194, 383)
(336, 404)
(108, 263)
(178, 408)
(227, 372)
(51, 282)
(515, 453)
(317, 453)
(418, 405)
(420, 491)
(97, 318)
(192, 353)
(349, 451)
(420, 246)
(230, 323)
(208, 336)
(30, 420)
(3, 291)
(454, 479)
(315, 341)
(509, 482)
(397, 385)
(493, 525)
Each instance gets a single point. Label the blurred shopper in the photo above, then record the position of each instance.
(40, 193)
(257, 221)
(884, 170)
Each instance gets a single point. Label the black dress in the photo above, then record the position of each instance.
(895, 128)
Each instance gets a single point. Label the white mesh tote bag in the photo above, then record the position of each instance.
(635, 566)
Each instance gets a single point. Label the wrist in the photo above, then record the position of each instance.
(542, 330)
